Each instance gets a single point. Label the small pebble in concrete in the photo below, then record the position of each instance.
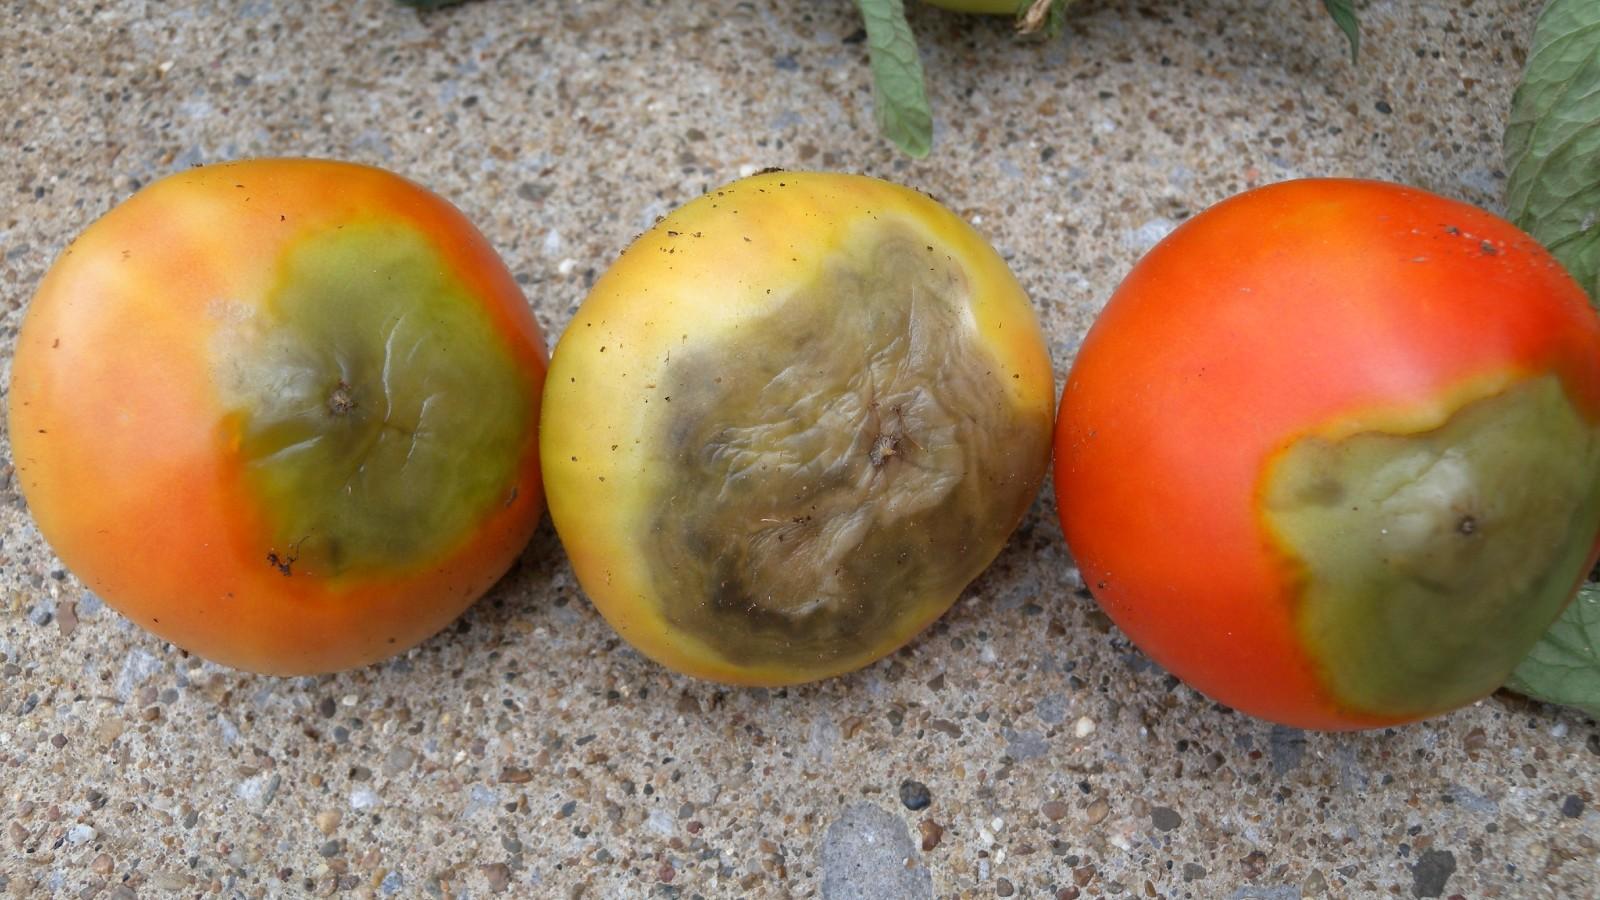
(398, 760)
(1431, 872)
(66, 617)
(1098, 810)
(1023, 745)
(1287, 747)
(932, 832)
(499, 876)
(865, 856)
(1254, 863)
(1054, 810)
(1572, 807)
(1165, 818)
(914, 794)
(660, 822)
(1266, 892)
(1052, 709)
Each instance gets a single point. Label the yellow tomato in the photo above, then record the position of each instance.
(281, 413)
(791, 423)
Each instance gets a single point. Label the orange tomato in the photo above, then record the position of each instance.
(1331, 454)
(281, 413)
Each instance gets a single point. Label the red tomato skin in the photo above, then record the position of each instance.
(1266, 316)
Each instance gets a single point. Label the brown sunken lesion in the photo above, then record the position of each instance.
(862, 467)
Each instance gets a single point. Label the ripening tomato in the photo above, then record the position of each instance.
(1331, 454)
(791, 423)
(281, 412)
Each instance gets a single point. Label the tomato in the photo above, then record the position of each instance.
(791, 423)
(281, 413)
(1331, 454)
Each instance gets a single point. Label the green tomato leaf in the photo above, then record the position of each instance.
(1552, 140)
(1552, 146)
(1564, 666)
(1344, 15)
(900, 98)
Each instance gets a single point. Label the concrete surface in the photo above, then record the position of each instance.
(526, 749)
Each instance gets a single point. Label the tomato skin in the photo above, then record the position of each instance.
(129, 450)
(1259, 321)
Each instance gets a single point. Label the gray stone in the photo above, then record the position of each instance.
(259, 790)
(1473, 801)
(1432, 870)
(1287, 746)
(864, 857)
(137, 668)
(1165, 818)
(1148, 234)
(914, 795)
(1572, 807)
(1266, 892)
(1052, 709)
(1021, 745)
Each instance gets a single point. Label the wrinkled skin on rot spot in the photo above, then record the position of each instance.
(791, 424)
(281, 412)
(1331, 453)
